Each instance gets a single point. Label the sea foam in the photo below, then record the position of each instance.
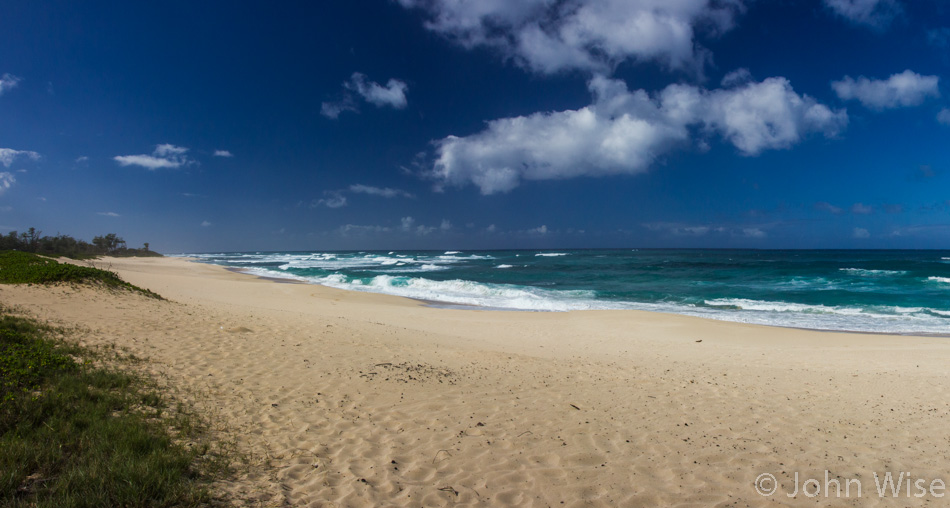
(861, 272)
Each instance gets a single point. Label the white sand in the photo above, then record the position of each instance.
(356, 399)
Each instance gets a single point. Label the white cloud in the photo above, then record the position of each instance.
(146, 161)
(408, 224)
(861, 209)
(8, 155)
(824, 206)
(900, 90)
(164, 156)
(205, 224)
(944, 116)
(491, 228)
(874, 13)
(769, 115)
(169, 150)
(703, 230)
(860, 233)
(109, 214)
(357, 229)
(540, 230)
(8, 81)
(590, 35)
(385, 192)
(6, 181)
(677, 229)
(334, 109)
(424, 230)
(393, 94)
(736, 77)
(333, 199)
(223, 153)
(82, 159)
(624, 132)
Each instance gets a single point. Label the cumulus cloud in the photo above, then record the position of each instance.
(861, 209)
(223, 153)
(334, 109)
(165, 156)
(677, 229)
(768, 115)
(9, 155)
(385, 192)
(108, 214)
(205, 224)
(873, 13)
(8, 81)
(6, 181)
(540, 230)
(332, 199)
(350, 229)
(337, 198)
(736, 77)
(824, 206)
(624, 132)
(944, 116)
(408, 224)
(590, 35)
(753, 233)
(703, 230)
(900, 90)
(860, 233)
(393, 94)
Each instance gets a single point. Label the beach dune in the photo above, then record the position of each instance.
(343, 398)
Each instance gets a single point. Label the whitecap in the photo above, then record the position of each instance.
(861, 272)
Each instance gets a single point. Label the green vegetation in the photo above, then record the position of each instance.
(24, 268)
(73, 434)
(62, 245)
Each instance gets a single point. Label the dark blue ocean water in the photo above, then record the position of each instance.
(878, 291)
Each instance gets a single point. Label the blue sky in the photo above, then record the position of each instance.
(404, 124)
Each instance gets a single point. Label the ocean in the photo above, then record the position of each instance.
(871, 291)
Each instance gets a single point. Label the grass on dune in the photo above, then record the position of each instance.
(73, 434)
(24, 268)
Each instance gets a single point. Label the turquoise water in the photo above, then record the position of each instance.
(877, 291)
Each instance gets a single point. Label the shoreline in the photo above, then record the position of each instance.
(345, 398)
(437, 304)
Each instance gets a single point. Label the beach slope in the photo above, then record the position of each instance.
(357, 399)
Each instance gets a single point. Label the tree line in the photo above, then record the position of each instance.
(32, 240)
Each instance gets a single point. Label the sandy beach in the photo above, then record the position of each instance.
(343, 398)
